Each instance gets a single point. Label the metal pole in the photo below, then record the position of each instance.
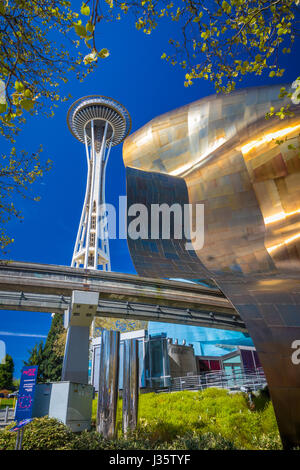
(6, 415)
(130, 385)
(17, 440)
(108, 383)
(21, 438)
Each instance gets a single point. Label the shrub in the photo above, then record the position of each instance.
(41, 434)
(91, 440)
(7, 439)
(207, 441)
(267, 442)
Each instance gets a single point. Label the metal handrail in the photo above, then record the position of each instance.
(252, 378)
(7, 415)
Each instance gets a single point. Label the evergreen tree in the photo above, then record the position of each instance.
(36, 358)
(6, 374)
(51, 364)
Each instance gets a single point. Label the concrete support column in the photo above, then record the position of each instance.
(76, 359)
(130, 385)
(108, 383)
(78, 320)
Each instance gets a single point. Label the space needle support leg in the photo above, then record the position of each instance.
(83, 219)
(104, 225)
(100, 161)
(90, 209)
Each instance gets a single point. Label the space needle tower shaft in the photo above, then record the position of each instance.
(100, 123)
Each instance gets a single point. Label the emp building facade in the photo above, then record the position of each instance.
(222, 152)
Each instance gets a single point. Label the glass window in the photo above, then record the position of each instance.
(92, 239)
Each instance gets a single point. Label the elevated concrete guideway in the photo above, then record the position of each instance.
(49, 288)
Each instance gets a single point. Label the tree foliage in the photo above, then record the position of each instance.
(36, 358)
(51, 367)
(37, 51)
(49, 357)
(6, 373)
(17, 173)
(40, 48)
(218, 40)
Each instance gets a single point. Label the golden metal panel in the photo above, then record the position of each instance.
(227, 153)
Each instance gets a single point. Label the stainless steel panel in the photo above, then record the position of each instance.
(108, 384)
(130, 385)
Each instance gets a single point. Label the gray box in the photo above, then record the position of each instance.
(69, 402)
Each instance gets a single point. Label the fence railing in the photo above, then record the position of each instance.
(6, 416)
(252, 379)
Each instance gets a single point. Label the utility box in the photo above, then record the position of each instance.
(69, 402)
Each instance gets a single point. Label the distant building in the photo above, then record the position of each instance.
(163, 359)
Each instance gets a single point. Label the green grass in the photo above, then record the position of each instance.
(163, 417)
(4, 402)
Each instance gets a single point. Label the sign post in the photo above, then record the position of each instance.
(19, 428)
(23, 414)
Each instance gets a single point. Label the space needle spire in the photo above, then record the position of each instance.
(99, 123)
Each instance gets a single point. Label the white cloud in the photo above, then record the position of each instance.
(13, 333)
(2, 352)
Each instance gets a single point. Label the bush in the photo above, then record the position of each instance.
(7, 439)
(91, 440)
(41, 434)
(207, 441)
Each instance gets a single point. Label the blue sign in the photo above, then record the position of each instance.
(26, 393)
(21, 424)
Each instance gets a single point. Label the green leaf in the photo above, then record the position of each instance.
(19, 86)
(27, 104)
(272, 74)
(226, 7)
(80, 30)
(2, 7)
(104, 53)
(89, 27)
(3, 107)
(28, 93)
(85, 10)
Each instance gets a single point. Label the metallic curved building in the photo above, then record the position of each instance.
(220, 151)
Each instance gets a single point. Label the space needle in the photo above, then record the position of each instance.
(99, 123)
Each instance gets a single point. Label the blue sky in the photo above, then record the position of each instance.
(147, 86)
